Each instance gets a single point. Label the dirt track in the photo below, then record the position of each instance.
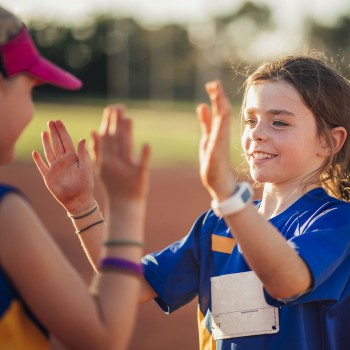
(176, 199)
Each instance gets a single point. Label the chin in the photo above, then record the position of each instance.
(7, 158)
(262, 176)
(258, 177)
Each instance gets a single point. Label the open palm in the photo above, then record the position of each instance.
(67, 174)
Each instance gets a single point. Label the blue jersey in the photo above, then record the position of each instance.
(19, 329)
(317, 225)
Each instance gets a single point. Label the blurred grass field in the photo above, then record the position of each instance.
(173, 132)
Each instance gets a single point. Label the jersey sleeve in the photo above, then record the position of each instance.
(174, 272)
(324, 245)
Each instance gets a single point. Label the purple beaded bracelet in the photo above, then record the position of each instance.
(111, 264)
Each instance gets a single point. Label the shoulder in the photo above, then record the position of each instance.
(204, 223)
(327, 213)
(211, 222)
(205, 226)
(11, 200)
(6, 189)
(331, 207)
(16, 215)
(319, 203)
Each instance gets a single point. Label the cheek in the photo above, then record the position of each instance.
(29, 117)
(245, 141)
(27, 113)
(21, 119)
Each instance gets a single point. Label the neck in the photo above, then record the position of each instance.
(277, 198)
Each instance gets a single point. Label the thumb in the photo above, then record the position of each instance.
(95, 147)
(83, 156)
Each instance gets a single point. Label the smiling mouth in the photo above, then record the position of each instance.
(261, 156)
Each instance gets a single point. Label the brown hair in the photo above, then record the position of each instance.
(326, 93)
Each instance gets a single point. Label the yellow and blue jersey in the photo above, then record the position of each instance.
(19, 329)
(317, 226)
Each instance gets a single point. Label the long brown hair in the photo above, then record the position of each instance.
(326, 92)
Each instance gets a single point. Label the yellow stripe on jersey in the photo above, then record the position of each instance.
(222, 244)
(18, 332)
(206, 341)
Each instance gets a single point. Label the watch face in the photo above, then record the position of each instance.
(246, 195)
(235, 203)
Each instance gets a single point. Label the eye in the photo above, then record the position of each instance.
(279, 123)
(249, 122)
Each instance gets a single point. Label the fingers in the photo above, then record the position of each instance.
(116, 138)
(95, 147)
(40, 164)
(204, 117)
(84, 160)
(221, 112)
(55, 138)
(104, 121)
(215, 141)
(124, 135)
(219, 102)
(219, 115)
(144, 165)
(145, 158)
(116, 134)
(61, 140)
(57, 141)
(108, 125)
(115, 144)
(48, 149)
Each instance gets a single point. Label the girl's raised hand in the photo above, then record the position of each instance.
(124, 176)
(67, 174)
(214, 148)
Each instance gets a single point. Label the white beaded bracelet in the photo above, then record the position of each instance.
(239, 200)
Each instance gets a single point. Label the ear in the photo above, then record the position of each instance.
(339, 135)
(2, 86)
(2, 80)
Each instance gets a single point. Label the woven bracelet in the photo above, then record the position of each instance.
(87, 227)
(111, 264)
(122, 242)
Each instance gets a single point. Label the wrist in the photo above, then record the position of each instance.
(132, 206)
(239, 199)
(81, 211)
(86, 219)
(130, 216)
(80, 206)
(223, 191)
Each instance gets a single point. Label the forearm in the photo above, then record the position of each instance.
(90, 226)
(91, 242)
(281, 270)
(124, 240)
(92, 231)
(133, 253)
(125, 232)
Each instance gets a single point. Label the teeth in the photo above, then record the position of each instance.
(262, 156)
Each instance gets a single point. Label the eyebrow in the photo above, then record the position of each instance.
(270, 111)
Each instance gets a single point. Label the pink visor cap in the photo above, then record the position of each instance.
(19, 55)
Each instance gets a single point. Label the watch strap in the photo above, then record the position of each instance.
(239, 200)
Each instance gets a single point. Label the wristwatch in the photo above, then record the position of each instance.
(239, 200)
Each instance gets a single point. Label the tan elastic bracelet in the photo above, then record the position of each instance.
(122, 242)
(89, 226)
(85, 213)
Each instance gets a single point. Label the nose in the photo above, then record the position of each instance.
(258, 133)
